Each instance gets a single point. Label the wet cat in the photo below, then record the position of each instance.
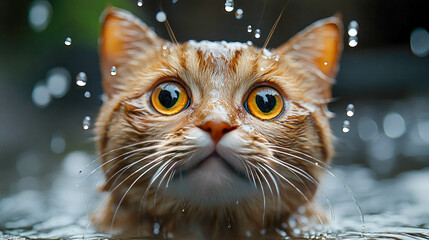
(209, 140)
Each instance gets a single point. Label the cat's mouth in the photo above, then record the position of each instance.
(214, 162)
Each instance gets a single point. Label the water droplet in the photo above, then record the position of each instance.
(419, 42)
(140, 3)
(175, 1)
(87, 94)
(249, 43)
(161, 16)
(40, 95)
(58, 82)
(58, 144)
(262, 68)
(39, 15)
(316, 163)
(156, 227)
(164, 47)
(276, 58)
(346, 126)
(249, 28)
(263, 231)
(353, 28)
(80, 171)
(236, 203)
(325, 63)
(257, 33)
(86, 122)
(81, 79)
(239, 13)
(68, 41)
(353, 41)
(350, 110)
(229, 5)
(113, 71)
(183, 210)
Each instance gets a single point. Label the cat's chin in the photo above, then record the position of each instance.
(212, 182)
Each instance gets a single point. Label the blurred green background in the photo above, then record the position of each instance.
(380, 76)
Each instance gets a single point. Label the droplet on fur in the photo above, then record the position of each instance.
(183, 210)
(164, 47)
(353, 28)
(257, 33)
(81, 79)
(249, 28)
(353, 41)
(239, 13)
(113, 71)
(86, 122)
(276, 58)
(350, 111)
(325, 63)
(140, 3)
(68, 41)
(229, 5)
(346, 126)
(161, 16)
(87, 94)
(262, 68)
(249, 43)
(156, 227)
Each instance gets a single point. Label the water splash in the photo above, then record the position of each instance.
(68, 41)
(113, 71)
(258, 33)
(229, 5)
(81, 79)
(350, 110)
(161, 16)
(353, 28)
(346, 126)
(239, 13)
(353, 41)
(86, 123)
(249, 28)
(140, 3)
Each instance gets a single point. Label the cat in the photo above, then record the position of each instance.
(210, 140)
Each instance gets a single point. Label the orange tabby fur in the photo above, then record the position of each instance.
(218, 77)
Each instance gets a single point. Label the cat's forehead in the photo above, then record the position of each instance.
(221, 49)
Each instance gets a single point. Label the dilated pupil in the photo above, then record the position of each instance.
(168, 96)
(265, 102)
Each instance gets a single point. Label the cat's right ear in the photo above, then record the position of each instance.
(123, 38)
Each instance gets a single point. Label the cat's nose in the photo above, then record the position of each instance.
(217, 128)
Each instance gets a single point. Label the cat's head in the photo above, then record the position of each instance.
(212, 123)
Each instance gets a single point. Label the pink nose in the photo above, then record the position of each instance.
(217, 129)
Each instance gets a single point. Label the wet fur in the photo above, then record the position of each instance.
(133, 137)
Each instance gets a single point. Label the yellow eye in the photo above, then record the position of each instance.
(264, 103)
(169, 98)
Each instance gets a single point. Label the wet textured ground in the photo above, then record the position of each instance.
(394, 208)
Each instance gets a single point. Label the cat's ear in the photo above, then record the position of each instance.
(319, 47)
(123, 38)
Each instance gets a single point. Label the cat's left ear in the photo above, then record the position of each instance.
(318, 47)
(123, 38)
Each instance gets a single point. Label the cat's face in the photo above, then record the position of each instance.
(212, 123)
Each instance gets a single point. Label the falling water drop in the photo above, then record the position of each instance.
(86, 122)
(257, 33)
(113, 71)
(350, 110)
(353, 28)
(229, 5)
(239, 13)
(353, 41)
(81, 79)
(249, 28)
(68, 41)
(140, 3)
(87, 94)
(161, 16)
(346, 126)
